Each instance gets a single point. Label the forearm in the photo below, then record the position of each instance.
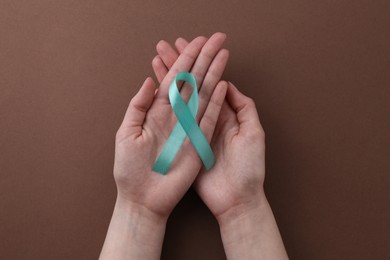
(251, 232)
(134, 233)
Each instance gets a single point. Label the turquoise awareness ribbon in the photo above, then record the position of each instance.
(186, 126)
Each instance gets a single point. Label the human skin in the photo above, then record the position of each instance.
(233, 188)
(146, 198)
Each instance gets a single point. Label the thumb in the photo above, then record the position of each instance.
(138, 107)
(245, 109)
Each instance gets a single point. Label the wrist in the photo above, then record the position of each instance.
(139, 215)
(246, 209)
(134, 233)
(139, 212)
(249, 231)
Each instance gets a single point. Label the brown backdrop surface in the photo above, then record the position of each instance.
(318, 71)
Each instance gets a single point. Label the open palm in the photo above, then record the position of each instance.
(238, 143)
(149, 121)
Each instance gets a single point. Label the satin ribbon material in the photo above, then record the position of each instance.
(186, 126)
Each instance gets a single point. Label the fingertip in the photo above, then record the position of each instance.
(181, 40)
(237, 92)
(158, 63)
(156, 60)
(149, 82)
(180, 44)
(160, 45)
(195, 46)
(221, 34)
(201, 39)
(237, 99)
(138, 107)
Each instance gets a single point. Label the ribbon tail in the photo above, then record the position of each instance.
(170, 150)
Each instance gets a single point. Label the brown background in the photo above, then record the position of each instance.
(318, 71)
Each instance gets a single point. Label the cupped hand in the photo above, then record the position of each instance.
(235, 183)
(149, 121)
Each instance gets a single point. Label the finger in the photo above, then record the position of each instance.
(191, 159)
(183, 63)
(207, 55)
(199, 70)
(244, 107)
(169, 56)
(167, 53)
(210, 117)
(138, 107)
(181, 44)
(213, 76)
(159, 68)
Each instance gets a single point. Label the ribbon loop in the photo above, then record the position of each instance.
(186, 126)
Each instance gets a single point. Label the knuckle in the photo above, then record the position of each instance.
(136, 105)
(207, 53)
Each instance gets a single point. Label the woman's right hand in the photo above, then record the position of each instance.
(233, 188)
